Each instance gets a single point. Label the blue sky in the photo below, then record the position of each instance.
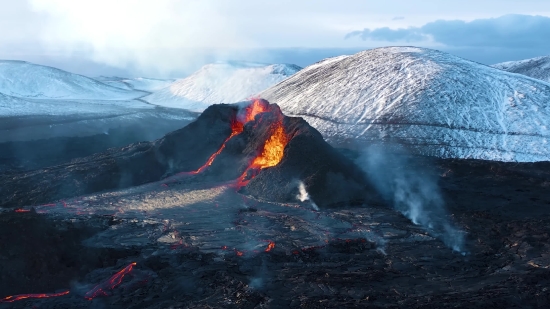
(164, 38)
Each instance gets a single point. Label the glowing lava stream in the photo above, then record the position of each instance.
(114, 281)
(237, 126)
(270, 246)
(11, 299)
(271, 155)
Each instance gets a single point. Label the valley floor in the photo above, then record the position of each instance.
(203, 245)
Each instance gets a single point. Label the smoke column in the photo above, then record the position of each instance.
(411, 192)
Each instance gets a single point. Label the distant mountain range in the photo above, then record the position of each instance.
(433, 102)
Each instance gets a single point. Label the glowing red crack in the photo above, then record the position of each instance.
(11, 299)
(114, 281)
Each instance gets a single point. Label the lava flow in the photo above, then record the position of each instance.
(271, 155)
(254, 109)
(237, 126)
(11, 299)
(114, 281)
(270, 246)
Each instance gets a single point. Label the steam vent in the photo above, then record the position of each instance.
(254, 148)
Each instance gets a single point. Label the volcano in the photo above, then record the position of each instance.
(253, 146)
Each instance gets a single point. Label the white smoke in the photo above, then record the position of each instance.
(158, 37)
(412, 192)
(259, 280)
(303, 196)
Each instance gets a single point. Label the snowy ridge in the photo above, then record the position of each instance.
(222, 82)
(27, 80)
(538, 68)
(434, 102)
(137, 83)
(12, 106)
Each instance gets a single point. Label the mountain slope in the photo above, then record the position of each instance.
(12, 106)
(137, 83)
(27, 80)
(538, 68)
(435, 103)
(226, 82)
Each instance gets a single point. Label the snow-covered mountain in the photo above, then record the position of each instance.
(26, 80)
(224, 82)
(137, 83)
(436, 103)
(39, 102)
(538, 68)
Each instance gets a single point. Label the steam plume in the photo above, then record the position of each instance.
(412, 192)
(304, 196)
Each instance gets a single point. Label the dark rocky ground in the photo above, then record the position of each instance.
(77, 137)
(504, 208)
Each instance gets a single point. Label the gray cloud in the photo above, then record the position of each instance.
(509, 31)
(398, 18)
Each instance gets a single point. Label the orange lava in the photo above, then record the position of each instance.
(22, 210)
(270, 246)
(254, 109)
(271, 155)
(11, 299)
(237, 126)
(114, 281)
(273, 149)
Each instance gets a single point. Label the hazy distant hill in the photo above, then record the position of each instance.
(225, 82)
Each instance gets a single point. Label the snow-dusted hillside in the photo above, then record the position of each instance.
(137, 83)
(15, 107)
(26, 80)
(434, 102)
(38, 102)
(12, 106)
(226, 82)
(538, 68)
